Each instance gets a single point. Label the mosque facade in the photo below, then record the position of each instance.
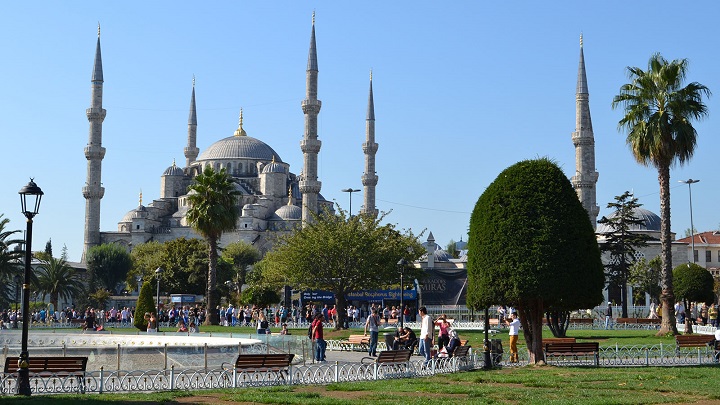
(273, 200)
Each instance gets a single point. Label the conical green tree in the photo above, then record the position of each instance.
(145, 303)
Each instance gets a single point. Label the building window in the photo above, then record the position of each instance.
(695, 256)
(708, 256)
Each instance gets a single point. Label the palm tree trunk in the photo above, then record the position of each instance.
(211, 314)
(667, 295)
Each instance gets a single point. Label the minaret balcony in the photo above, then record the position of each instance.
(311, 106)
(369, 180)
(93, 192)
(94, 152)
(310, 145)
(94, 114)
(310, 186)
(369, 148)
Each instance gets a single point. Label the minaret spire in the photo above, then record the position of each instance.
(191, 150)
(370, 147)
(93, 191)
(310, 145)
(586, 176)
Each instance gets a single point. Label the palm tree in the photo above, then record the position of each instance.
(213, 210)
(10, 260)
(58, 280)
(658, 115)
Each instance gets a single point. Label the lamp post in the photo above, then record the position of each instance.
(350, 191)
(158, 272)
(690, 182)
(30, 197)
(17, 280)
(401, 268)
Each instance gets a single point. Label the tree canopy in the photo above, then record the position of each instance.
(658, 119)
(58, 280)
(694, 283)
(341, 253)
(241, 255)
(532, 246)
(107, 265)
(9, 262)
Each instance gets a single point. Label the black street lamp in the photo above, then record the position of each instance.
(401, 268)
(158, 272)
(30, 197)
(350, 191)
(17, 280)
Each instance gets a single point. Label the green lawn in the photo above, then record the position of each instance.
(526, 385)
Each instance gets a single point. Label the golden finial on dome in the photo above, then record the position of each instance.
(273, 159)
(173, 162)
(141, 197)
(290, 195)
(240, 131)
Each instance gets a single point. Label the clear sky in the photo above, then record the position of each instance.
(462, 90)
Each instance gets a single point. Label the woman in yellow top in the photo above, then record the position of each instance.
(713, 315)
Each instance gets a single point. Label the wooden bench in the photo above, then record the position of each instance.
(389, 357)
(574, 350)
(461, 351)
(52, 367)
(559, 340)
(270, 362)
(584, 321)
(694, 340)
(354, 341)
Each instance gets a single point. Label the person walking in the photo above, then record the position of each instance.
(317, 337)
(426, 334)
(514, 325)
(372, 323)
(444, 334)
(608, 316)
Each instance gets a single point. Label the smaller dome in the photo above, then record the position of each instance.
(274, 168)
(650, 222)
(139, 212)
(289, 212)
(173, 171)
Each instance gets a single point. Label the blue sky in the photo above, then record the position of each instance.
(462, 90)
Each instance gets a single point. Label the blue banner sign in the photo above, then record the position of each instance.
(363, 295)
(182, 298)
(379, 295)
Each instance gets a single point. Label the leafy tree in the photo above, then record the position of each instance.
(146, 257)
(341, 253)
(261, 295)
(213, 210)
(99, 298)
(10, 261)
(693, 283)
(58, 280)
(145, 304)
(241, 255)
(620, 244)
(46, 254)
(646, 275)
(452, 249)
(532, 246)
(108, 265)
(658, 119)
(690, 232)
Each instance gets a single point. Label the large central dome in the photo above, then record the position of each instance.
(239, 147)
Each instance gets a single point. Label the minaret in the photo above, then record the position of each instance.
(370, 147)
(310, 145)
(191, 150)
(94, 153)
(585, 176)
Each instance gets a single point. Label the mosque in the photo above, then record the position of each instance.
(273, 199)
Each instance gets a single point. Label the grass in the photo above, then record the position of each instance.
(527, 385)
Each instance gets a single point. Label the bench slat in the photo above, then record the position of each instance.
(48, 364)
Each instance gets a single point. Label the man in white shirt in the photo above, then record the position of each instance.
(426, 334)
(514, 324)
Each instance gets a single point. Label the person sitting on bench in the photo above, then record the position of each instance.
(408, 339)
(454, 341)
